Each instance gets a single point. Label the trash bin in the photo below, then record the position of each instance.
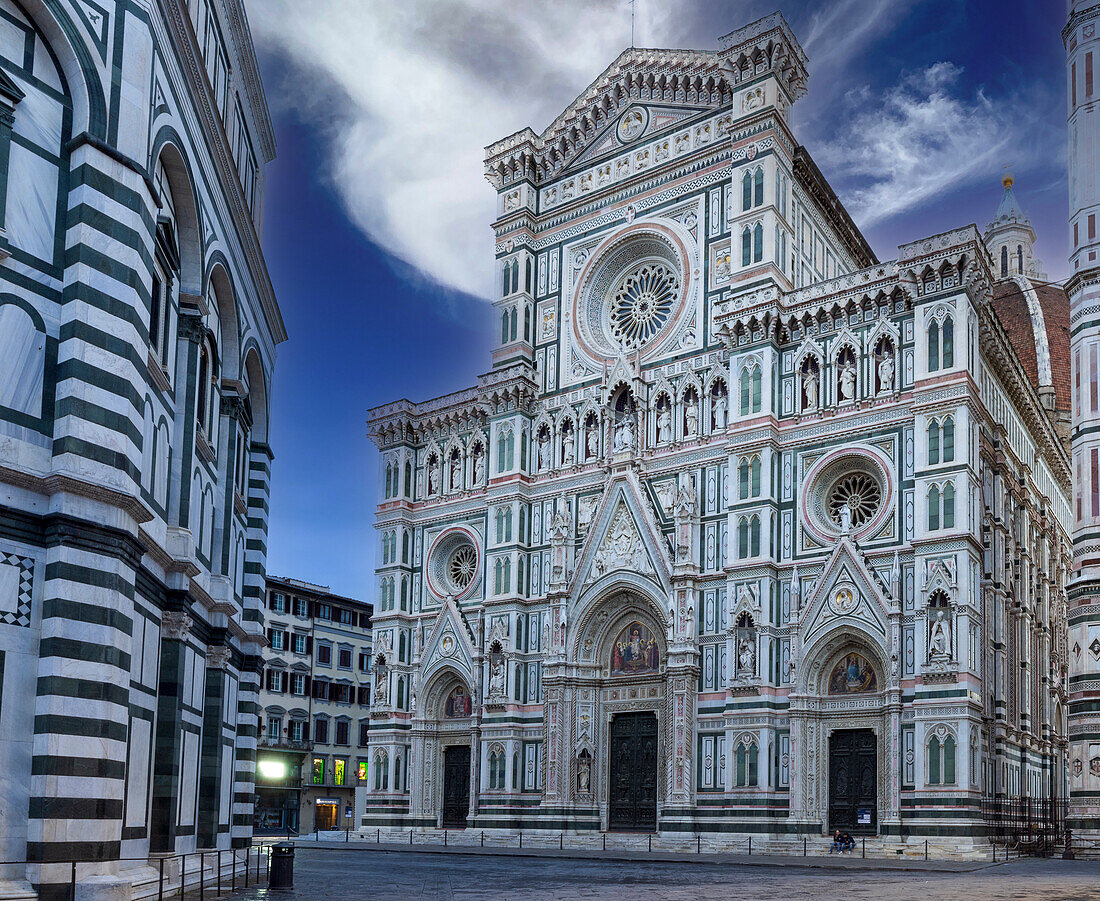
(282, 867)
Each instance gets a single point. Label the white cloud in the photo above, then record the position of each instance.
(899, 150)
(407, 95)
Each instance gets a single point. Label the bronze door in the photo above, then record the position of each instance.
(632, 795)
(853, 781)
(456, 786)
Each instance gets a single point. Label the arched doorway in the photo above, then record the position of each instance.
(844, 734)
(620, 733)
(443, 748)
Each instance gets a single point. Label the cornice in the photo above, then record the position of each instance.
(186, 45)
(246, 53)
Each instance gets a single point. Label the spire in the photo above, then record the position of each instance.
(1011, 238)
(1008, 211)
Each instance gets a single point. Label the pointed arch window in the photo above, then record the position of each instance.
(1020, 259)
(746, 247)
(941, 344)
(746, 192)
(758, 242)
(758, 187)
(948, 439)
(750, 390)
(933, 442)
(1004, 261)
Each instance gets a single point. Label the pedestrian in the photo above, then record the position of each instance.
(836, 842)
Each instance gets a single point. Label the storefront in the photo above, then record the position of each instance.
(278, 793)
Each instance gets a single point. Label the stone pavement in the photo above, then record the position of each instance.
(356, 873)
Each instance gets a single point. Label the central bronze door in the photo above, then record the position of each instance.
(853, 781)
(632, 795)
(456, 786)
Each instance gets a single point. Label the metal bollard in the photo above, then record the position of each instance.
(444, 838)
(750, 846)
(926, 849)
(202, 876)
(183, 874)
(219, 871)
(410, 836)
(521, 838)
(650, 841)
(483, 838)
(865, 846)
(698, 842)
(803, 846)
(246, 867)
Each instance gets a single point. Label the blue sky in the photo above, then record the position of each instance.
(377, 218)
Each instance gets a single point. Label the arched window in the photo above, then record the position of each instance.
(754, 480)
(758, 242)
(933, 508)
(743, 477)
(933, 761)
(514, 320)
(404, 546)
(500, 525)
(515, 276)
(746, 191)
(504, 328)
(758, 184)
(527, 275)
(1020, 259)
(507, 281)
(408, 477)
(750, 390)
(389, 480)
(1004, 262)
(506, 578)
(941, 759)
(948, 439)
(404, 594)
(747, 764)
(949, 506)
(743, 538)
(498, 570)
(526, 323)
(933, 346)
(511, 449)
(933, 442)
(496, 768)
(746, 247)
(507, 523)
(948, 349)
(949, 761)
(754, 536)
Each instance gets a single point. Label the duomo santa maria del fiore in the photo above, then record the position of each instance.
(744, 530)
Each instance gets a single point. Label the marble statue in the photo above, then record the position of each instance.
(624, 434)
(939, 641)
(809, 387)
(886, 374)
(544, 451)
(479, 469)
(691, 421)
(664, 426)
(568, 452)
(848, 381)
(720, 405)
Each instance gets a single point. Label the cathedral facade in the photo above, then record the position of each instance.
(744, 530)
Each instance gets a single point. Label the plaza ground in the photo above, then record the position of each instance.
(353, 874)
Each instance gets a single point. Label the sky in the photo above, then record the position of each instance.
(377, 218)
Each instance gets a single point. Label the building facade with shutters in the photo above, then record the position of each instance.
(744, 530)
(314, 709)
(138, 328)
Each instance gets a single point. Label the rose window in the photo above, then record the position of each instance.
(462, 566)
(642, 303)
(454, 564)
(859, 493)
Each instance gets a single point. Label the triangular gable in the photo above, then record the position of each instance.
(846, 590)
(450, 643)
(624, 536)
(608, 141)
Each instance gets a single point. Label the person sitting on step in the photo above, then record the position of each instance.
(837, 841)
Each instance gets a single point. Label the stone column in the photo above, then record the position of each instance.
(213, 749)
(175, 628)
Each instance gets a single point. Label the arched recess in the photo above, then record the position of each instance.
(73, 57)
(167, 150)
(827, 649)
(606, 608)
(433, 697)
(257, 394)
(223, 297)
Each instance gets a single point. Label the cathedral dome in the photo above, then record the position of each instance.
(1036, 318)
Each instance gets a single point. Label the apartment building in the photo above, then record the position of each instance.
(314, 708)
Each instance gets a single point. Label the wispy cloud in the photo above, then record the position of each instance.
(898, 151)
(407, 95)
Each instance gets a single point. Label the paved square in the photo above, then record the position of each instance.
(338, 875)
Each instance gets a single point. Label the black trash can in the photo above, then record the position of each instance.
(282, 867)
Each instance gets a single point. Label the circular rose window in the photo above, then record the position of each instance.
(642, 303)
(846, 492)
(854, 498)
(453, 563)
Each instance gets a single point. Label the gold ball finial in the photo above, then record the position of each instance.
(1008, 180)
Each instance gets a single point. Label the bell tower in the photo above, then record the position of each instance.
(1081, 37)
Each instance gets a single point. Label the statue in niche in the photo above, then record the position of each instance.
(496, 675)
(591, 439)
(848, 381)
(544, 450)
(381, 685)
(584, 773)
(809, 389)
(568, 448)
(624, 434)
(479, 467)
(664, 423)
(691, 418)
(720, 405)
(746, 658)
(433, 477)
(886, 372)
(939, 640)
(456, 472)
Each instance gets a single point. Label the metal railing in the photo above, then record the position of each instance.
(197, 872)
(1035, 826)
